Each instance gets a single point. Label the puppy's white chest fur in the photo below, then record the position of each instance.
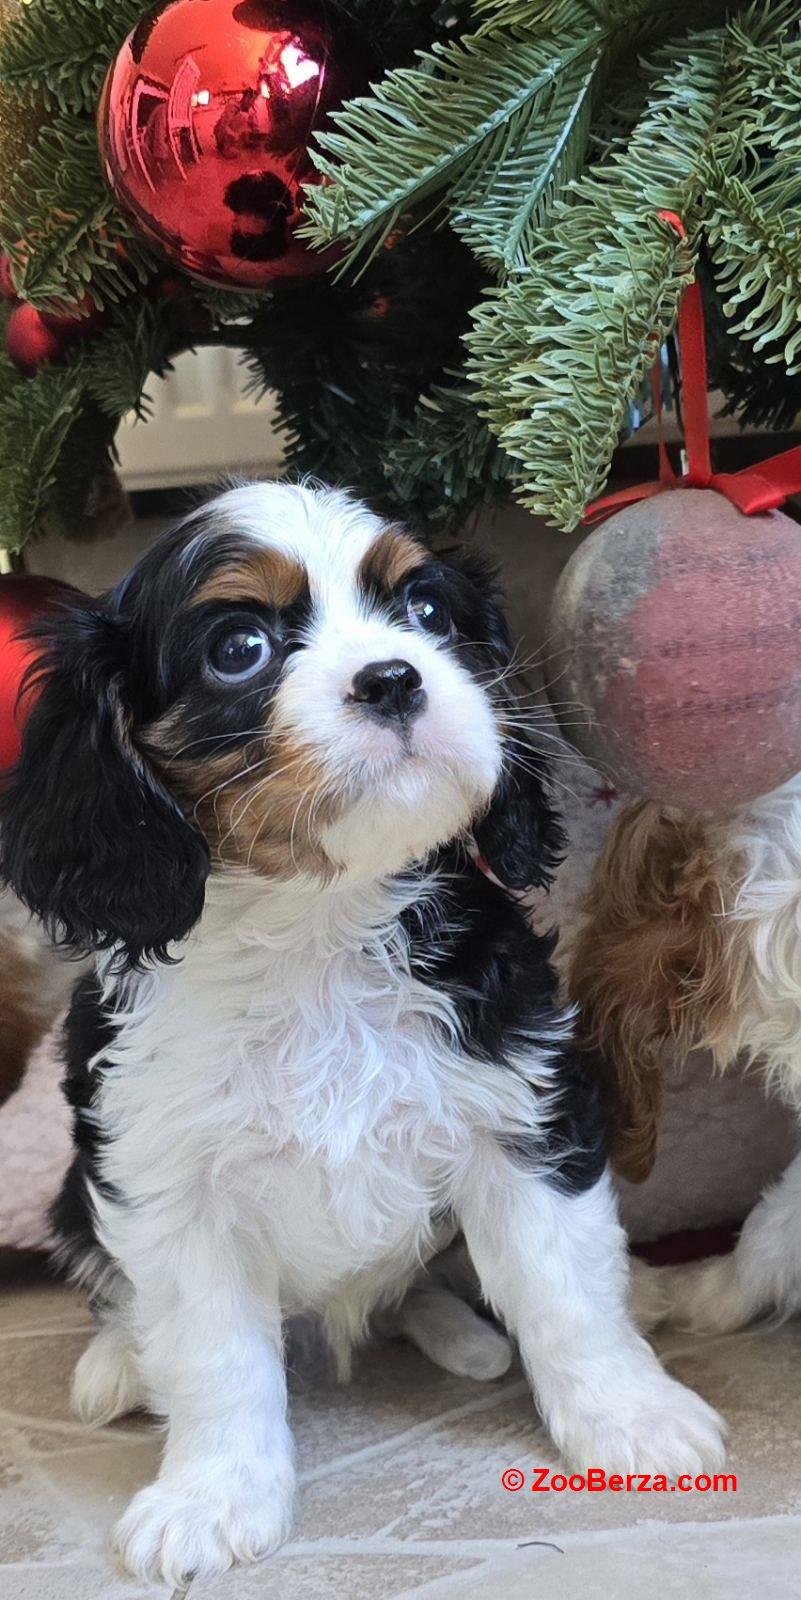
(301, 1082)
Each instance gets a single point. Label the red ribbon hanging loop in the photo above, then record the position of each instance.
(754, 489)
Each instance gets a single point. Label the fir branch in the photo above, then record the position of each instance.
(754, 234)
(754, 190)
(498, 121)
(62, 52)
(759, 396)
(443, 462)
(36, 415)
(115, 366)
(461, 113)
(349, 363)
(559, 355)
(500, 212)
(536, 16)
(60, 225)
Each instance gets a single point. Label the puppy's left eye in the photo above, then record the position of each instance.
(428, 612)
(240, 654)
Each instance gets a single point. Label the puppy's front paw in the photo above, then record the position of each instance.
(651, 1424)
(201, 1522)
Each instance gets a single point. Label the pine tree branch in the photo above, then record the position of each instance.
(462, 112)
(116, 366)
(757, 251)
(36, 415)
(753, 190)
(466, 122)
(500, 216)
(443, 462)
(559, 355)
(61, 227)
(62, 52)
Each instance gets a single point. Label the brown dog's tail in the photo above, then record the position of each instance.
(652, 965)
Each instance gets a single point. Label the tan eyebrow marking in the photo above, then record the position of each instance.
(269, 577)
(392, 556)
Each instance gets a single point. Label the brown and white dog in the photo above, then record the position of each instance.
(693, 938)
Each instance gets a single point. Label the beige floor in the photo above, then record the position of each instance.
(400, 1484)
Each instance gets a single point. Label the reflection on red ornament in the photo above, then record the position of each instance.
(205, 124)
(23, 601)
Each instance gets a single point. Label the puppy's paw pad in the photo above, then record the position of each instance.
(172, 1536)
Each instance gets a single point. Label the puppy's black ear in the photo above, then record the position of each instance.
(89, 838)
(520, 836)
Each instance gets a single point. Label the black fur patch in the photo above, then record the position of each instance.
(475, 943)
(87, 1034)
(89, 838)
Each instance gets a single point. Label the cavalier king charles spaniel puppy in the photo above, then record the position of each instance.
(317, 1039)
(693, 938)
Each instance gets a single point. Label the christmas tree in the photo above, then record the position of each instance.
(500, 197)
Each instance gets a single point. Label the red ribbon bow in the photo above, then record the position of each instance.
(755, 489)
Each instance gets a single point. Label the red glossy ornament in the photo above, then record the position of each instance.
(205, 124)
(30, 342)
(23, 601)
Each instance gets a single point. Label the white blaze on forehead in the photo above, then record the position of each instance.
(323, 529)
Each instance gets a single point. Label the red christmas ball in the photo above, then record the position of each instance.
(30, 342)
(675, 627)
(23, 601)
(205, 124)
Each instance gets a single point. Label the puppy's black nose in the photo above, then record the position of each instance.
(392, 690)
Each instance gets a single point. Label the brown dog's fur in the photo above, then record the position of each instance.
(24, 1016)
(657, 961)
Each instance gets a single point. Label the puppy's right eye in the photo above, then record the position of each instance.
(239, 654)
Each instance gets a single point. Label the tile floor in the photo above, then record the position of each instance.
(400, 1483)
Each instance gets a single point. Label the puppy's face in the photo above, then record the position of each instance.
(283, 683)
(319, 688)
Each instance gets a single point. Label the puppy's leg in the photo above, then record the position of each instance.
(554, 1267)
(762, 1275)
(212, 1362)
(449, 1332)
